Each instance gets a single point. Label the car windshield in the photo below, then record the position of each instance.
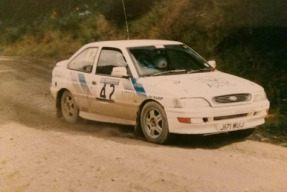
(167, 59)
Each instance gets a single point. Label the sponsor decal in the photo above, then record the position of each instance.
(155, 97)
(129, 96)
(110, 81)
(213, 82)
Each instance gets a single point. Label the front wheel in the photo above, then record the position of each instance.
(154, 123)
(69, 107)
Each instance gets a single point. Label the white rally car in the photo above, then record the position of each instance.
(159, 86)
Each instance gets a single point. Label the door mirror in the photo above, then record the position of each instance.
(119, 72)
(212, 63)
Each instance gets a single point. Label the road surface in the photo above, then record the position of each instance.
(40, 153)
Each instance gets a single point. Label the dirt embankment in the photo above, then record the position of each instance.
(41, 153)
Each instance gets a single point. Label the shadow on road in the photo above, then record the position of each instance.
(206, 142)
(125, 134)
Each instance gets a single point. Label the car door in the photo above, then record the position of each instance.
(113, 96)
(80, 68)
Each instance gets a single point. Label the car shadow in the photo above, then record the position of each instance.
(125, 134)
(206, 142)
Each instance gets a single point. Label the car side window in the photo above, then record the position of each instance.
(108, 59)
(84, 61)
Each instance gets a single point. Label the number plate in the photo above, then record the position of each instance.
(231, 126)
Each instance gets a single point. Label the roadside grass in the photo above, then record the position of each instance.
(51, 42)
(48, 47)
(276, 125)
(273, 131)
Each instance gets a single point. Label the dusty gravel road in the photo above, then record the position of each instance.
(39, 153)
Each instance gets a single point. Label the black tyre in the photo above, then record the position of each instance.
(69, 107)
(242, 134)
(154, 123)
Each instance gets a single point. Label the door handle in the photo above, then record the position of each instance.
(94, 82)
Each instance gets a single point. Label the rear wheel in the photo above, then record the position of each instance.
(69, 107)
(154, 123)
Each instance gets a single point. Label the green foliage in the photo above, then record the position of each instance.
(194, 22)
(19, 11)
(113, 9)
(68, 23)
(12, 34)
(276, 125)
(253, 13)
(258, 56)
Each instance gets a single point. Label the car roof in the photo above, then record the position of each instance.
(133, 43)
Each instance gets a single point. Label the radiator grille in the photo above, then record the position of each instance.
(232, 98)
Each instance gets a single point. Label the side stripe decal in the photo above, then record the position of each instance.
(138, 87)
(83, 83)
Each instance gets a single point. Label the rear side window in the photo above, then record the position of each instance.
(84, 61)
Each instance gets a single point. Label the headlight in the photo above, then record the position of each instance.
(260, 96)
(194, 102)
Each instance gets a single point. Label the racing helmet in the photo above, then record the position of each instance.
(160, 62)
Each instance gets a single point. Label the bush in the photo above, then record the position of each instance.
(13, 34)
(257, 56)
(68, 23)
(276, 125)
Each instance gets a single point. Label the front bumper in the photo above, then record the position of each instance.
(213, 120)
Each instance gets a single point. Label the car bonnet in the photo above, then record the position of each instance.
(197, 85)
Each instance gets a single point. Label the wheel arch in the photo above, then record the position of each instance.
(147, 101)
(58, 101)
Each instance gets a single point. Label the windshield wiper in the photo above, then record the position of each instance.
(200, 70)
(169, 71)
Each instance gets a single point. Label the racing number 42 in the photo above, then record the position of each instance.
(103, 93)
